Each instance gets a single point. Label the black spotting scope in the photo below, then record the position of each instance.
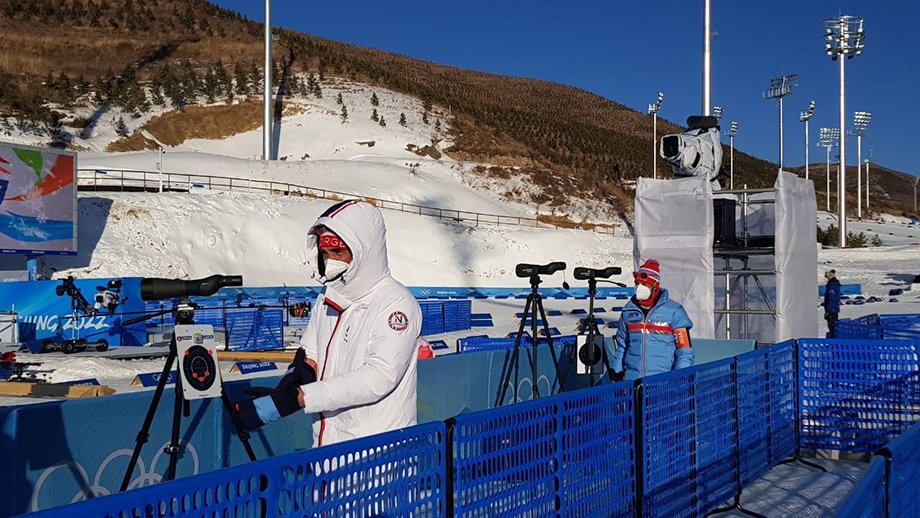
(585, 274)
(529, 270)
(157, 289)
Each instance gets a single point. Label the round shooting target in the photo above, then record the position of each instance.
(199, 368)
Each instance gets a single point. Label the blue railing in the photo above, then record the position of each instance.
(673, 444)
(398, 473)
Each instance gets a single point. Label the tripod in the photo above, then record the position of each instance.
(589, 353)
(185, 315)
(532, 309)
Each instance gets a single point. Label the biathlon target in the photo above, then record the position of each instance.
(198, 362)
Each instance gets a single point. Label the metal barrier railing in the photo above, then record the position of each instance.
(154, 181)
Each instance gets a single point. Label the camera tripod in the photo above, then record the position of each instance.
(589, 354)
(532, 309)
(185, 315)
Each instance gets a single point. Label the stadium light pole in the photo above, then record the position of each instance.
(732, 131)
(868, 159)
(717, 112)
(781, 87)
(861, 121)
(804, 117)
(827, 138)
(915, 194)
(843, 39)
(653, 111)
(707, 56)
(267, 89)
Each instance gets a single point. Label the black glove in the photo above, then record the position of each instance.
(269, 405)
(619, 376)
(827, 316)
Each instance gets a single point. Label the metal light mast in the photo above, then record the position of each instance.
(781, 87)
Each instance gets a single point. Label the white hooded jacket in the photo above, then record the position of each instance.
(363, 336)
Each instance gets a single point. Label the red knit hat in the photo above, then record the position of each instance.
(649, 274)
(328, 240)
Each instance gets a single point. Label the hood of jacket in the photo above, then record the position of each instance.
(361, 226)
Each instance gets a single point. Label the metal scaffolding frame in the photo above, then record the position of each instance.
(743, 251)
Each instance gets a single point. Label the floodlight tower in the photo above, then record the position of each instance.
(781, 87)
(868, 159)
(804, 117)
(861, 121)
(267, 90)
(843, 37)
(707, 56)
(653, 111)
(827, 138)
(717, 112)
(732, 131)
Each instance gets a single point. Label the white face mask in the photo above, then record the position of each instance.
(335, 269)
(643, 292)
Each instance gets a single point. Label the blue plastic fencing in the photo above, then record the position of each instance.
(255, 330)
(845, 408)
(569, 455)
(445, 316)
(485, 343)
(689, 454)
(881, 327)
(867, 499)
(904, 473)
(766, 409)
(247, 328)
(339, 480)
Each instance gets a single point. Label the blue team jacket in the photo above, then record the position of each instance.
(646, 344)
(832, 296)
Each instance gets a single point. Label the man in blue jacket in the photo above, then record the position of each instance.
(653, 334)
(831, 302)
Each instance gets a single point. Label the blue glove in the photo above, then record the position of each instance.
(269, 405)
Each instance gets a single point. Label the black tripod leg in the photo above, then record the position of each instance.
(537, 304)
(514, 356)
(144, 434)
(549, 340)
(172, 449)
(241, 433)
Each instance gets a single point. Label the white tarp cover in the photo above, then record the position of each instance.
(674, 224)
(796, 256)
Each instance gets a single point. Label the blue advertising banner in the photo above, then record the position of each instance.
(250, 367)
(91, 310)
(151, 379)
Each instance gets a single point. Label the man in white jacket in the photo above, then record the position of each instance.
(362, 337)
(356, 368)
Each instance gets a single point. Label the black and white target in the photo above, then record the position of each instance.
(198, 361)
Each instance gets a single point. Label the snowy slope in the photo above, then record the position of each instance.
(263, 238)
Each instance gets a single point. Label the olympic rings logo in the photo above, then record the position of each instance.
(96, 489)
(542, 380)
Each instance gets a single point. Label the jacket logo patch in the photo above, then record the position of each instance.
(398, 321)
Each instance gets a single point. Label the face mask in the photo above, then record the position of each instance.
(643, 292)
(335, 269)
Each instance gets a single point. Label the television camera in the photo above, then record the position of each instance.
(109, 296)
(695, 152)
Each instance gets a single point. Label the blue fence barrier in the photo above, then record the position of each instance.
(843, 408)
(674, 444)
(903, 456)
(569, 455)
(867, 499)
(689, 456)
(338, 480)
(445, 316)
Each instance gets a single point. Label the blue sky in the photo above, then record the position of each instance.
(629, 50)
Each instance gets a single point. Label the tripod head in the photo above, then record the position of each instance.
(534, 271)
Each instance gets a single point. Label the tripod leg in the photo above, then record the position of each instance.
(144, 434)
(172, 449)
(242, 434)
(533, 337)
(514, 356)
(549, 340)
